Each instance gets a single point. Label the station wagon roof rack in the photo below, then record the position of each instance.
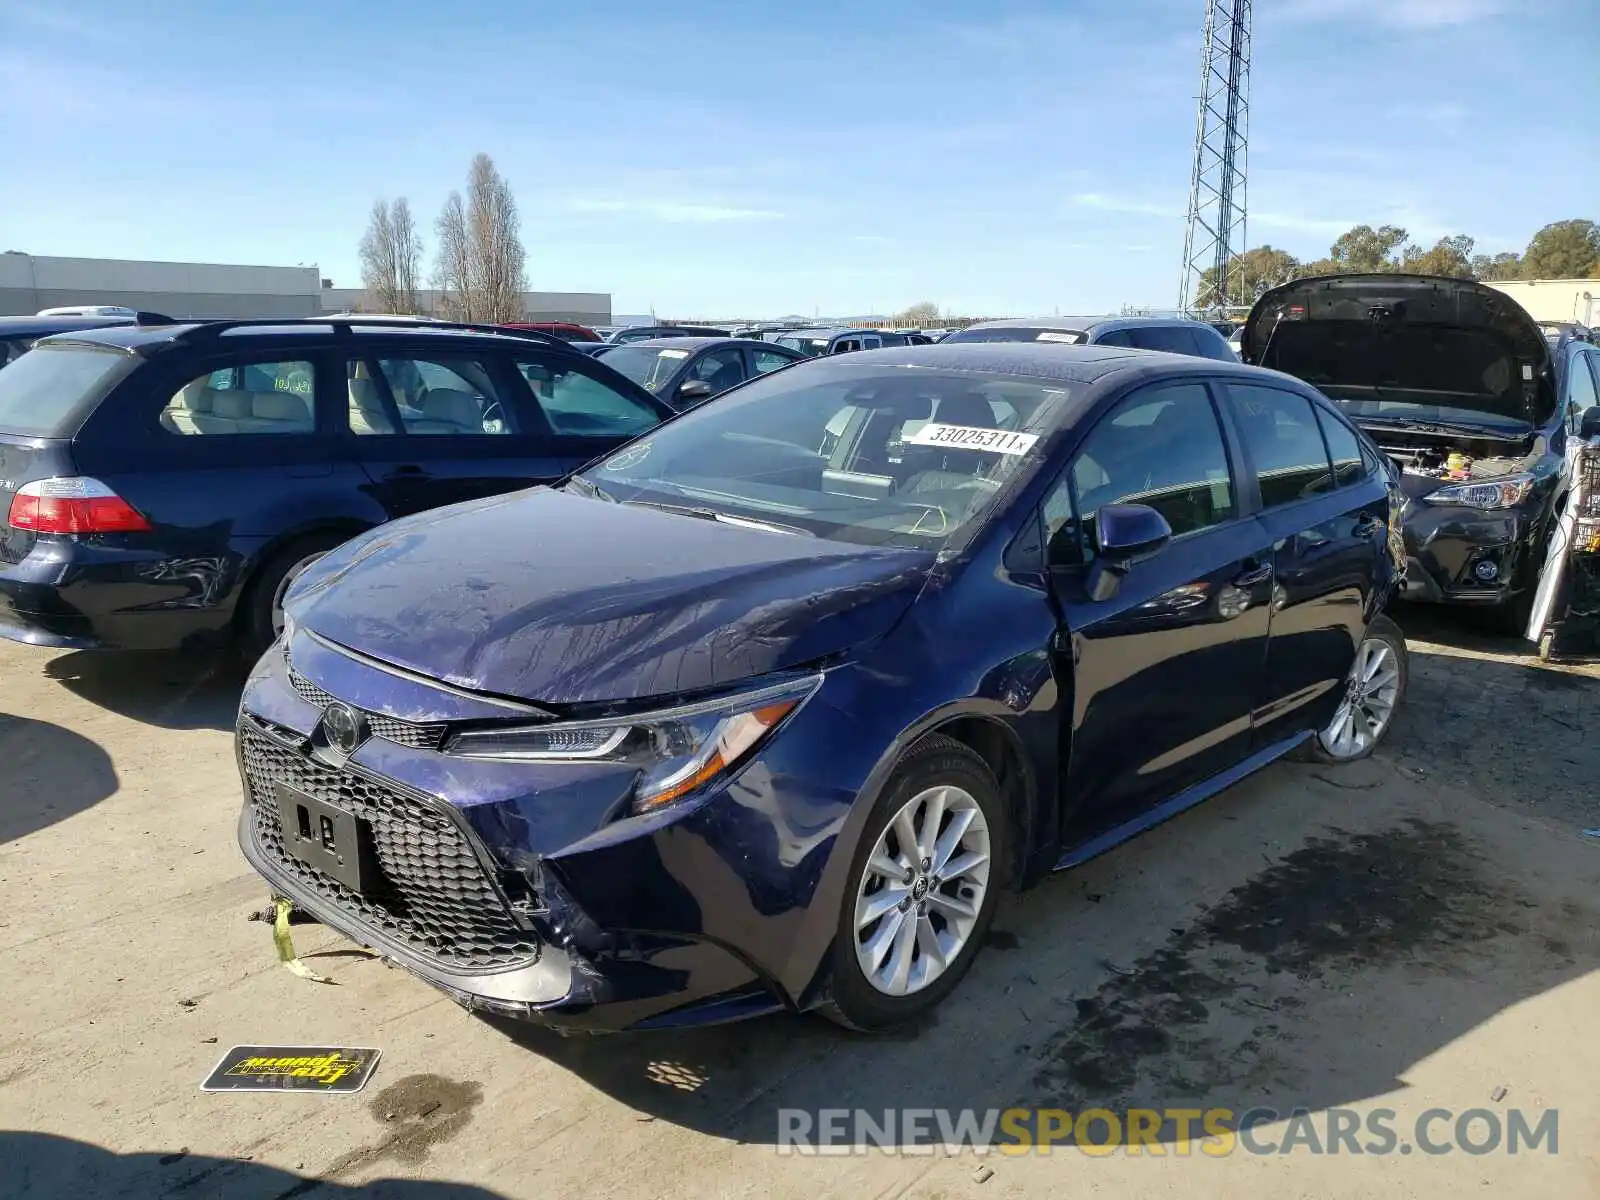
(346, 326)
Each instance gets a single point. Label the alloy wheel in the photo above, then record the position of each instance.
(1371, 692)
(922, 889)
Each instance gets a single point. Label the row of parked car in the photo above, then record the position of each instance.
(597, 702)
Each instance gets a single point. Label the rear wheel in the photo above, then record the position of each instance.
(1372, 693)
(922, 888)
(261, 610)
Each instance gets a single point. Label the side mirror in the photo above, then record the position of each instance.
(1126, 534)
(692, 391)
(1589, 423)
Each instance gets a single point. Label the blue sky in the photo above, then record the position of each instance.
(762, 158)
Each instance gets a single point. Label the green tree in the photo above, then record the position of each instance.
(1564, 250)
(1502, 266)
(1249, 274)
(1451, 256)
(925, 312)
(1367, 249)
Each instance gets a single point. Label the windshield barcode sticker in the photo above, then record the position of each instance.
(1070, 338)
(970, 437)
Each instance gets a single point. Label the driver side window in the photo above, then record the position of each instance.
(427, 395)
(1162, 446)
(1581, 392)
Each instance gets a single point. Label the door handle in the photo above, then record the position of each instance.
(408, 471)
(1253, 575)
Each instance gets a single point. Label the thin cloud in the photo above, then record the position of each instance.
(677, 213)
(1395, 14)
(1120, 204)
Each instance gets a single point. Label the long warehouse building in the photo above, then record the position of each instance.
(31, 282)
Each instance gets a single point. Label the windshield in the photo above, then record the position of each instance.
(810, 347)
(47, 391)
(1016, 333)
(647, 366)
(900, 456)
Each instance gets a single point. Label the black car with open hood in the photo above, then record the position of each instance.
(1455, 381)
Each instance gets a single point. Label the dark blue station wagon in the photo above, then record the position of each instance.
(161, 487)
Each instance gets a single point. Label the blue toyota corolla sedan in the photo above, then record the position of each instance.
(765, 709)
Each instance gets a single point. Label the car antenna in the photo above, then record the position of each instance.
(1272, 333)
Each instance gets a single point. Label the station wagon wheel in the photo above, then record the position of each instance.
(260, 616)
(922, 887)
(282, 590)
(1372, 693)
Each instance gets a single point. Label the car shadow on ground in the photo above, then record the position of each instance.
(43, 1165)
(79, 775)
(169, 689)
(1356, 923)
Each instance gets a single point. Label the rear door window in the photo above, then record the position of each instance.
(48, 391)
(1281, 434)
(1344, 449)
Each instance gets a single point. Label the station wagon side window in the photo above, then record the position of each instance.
(424, 395)
(250, 398)
(1284, 443)
(577, 404)
(1161, 446)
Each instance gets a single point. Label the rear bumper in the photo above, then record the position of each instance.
(78, 595)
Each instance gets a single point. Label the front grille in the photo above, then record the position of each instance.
(424, 736)
(432, 894)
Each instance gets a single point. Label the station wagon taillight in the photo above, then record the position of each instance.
(73, 504)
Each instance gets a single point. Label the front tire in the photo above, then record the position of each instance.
(1373, 691)
(922, 888)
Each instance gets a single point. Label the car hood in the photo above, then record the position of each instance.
(560, 599)
(1414, 338)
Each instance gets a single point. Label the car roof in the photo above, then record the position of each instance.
(1084, 324)
(1055, 361)
(827, 331)
(144, 337)
(42, 326)
(694, 343)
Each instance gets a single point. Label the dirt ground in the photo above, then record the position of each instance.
(1413, 932)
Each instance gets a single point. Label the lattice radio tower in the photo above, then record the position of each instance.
(1216, 230)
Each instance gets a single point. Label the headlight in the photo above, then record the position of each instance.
(1504, 492)
(677, 750)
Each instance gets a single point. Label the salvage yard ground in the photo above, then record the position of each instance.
(1412, 932)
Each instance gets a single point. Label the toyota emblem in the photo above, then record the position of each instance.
(344, 727)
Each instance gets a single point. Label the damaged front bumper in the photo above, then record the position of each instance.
(518, 891)
(1458, 555)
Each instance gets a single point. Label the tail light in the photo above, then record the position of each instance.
(73, 505)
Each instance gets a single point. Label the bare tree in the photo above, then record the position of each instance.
(480, 270)
(391, 253)
(452, 272)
